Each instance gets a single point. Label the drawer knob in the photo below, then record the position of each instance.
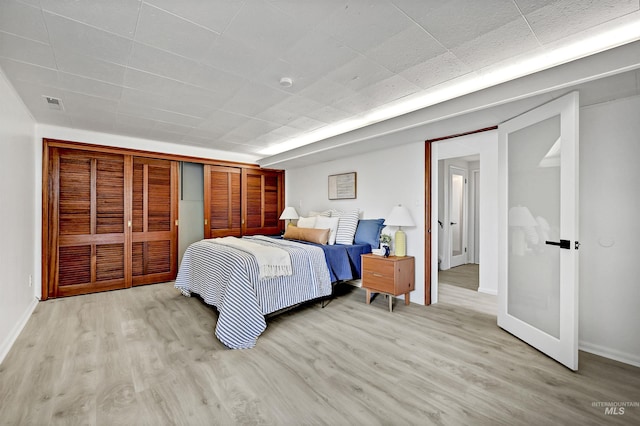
(375, 274)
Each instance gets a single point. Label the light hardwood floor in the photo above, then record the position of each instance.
(465, 276)
(148, 355)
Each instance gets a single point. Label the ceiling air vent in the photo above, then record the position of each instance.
(53, 103)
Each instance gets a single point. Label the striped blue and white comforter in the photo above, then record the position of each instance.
(228, 279)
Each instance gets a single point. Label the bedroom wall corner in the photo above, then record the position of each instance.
(17, 216)
(384, 178)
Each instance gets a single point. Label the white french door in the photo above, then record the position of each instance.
(538, 196)
(457, 216)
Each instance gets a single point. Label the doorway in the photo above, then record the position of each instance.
(458, 231)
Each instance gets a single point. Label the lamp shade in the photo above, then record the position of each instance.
(399, 216)
(289, 213)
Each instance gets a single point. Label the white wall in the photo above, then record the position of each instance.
(610, 230)
(485, 144)
(17, 214)
(385, 178)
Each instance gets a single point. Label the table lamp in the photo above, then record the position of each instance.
(400, 217)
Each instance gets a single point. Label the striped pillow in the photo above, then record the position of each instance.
(347, 227)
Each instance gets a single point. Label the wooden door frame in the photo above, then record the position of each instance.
(427, 202)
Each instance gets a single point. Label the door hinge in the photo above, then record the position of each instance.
(465, 249)
(177, 221)
(577, 245)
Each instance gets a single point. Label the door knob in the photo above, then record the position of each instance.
(453, 223)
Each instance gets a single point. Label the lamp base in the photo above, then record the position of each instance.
(400, 243)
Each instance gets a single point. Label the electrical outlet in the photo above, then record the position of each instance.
(30, 280)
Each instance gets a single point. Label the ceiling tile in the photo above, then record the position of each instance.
(236, 57)
(168, 32)
(116, 16)
(263, 27)
(88, 86)
(86, 40)
(89, 66)
(254, 98)
(222, 83)
(251, 129)
(364, 24)
(508, 41)
(104, 123)
(306, 124)
(152, 83)
(436, 70)
(566, 17)
(328, 114)
(22, 20)
(455, 22)
(359, 73)
(212, 14)
(317, 53)
(159, 62)
(408, 48)
(179, 104)
(308, 13)
(326, 92)
(20, 71)
(25, 50)
(378, 94)
(220, 122)
(86, 105)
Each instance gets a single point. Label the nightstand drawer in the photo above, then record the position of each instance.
(380, 265)
(378, 281)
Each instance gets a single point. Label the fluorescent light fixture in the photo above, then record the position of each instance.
(491, 76)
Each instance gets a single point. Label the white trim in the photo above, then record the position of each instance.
(488, 291)
(625, 357)
(17, 329)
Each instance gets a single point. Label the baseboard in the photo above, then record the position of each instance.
(486, 291)
(5, 347)
(610, 353)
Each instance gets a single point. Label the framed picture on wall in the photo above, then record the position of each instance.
(342, 186)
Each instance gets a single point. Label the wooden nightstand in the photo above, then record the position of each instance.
(388, 275)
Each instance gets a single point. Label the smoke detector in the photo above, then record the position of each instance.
(286, 82)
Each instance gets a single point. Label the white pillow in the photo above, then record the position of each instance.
(330, 223)
(306, 222)
(347, 227)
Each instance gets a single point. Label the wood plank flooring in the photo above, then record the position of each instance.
(148, 355)
(465, 276)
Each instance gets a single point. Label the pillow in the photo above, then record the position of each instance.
(368, 232)
(318, 236)
(347, 227)
(331, 223)
(306, 222)
(326, 213)
(335, 213)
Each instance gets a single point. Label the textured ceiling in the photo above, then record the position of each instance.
(206, 72)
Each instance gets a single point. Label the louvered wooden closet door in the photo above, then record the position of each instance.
(87, 220)
(154, 214)
(222, 202)
(263, 201)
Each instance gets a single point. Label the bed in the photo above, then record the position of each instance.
(229, 279)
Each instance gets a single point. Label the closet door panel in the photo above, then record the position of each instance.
(87, 244)
(222, 201)
(154, 215)
(263, 201)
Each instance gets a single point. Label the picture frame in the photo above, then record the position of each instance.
(343, 186)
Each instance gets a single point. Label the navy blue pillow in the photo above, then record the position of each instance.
(368, 232)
